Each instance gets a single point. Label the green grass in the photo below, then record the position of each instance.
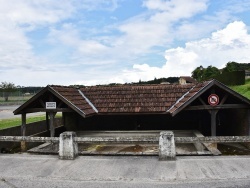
(7, 123)
(243, 89)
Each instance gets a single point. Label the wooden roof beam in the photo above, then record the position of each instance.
(30, 110)
(218, 107)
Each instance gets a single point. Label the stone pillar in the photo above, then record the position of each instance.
(68, 149)
(166, 146)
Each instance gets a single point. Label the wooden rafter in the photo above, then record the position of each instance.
(30, 110)
(218, 107)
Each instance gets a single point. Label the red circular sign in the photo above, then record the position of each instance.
(213, 99)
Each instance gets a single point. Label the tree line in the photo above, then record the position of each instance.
(8, 87)
(200, 73)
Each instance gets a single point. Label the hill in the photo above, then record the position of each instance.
(243, 89)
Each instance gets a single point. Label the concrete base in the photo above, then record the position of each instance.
(29, 171)
(167, 146)
(68, 149)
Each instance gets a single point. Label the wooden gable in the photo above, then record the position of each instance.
(197, 98)
(38, 103)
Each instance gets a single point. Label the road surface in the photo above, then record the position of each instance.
(6, 112)
(25, 170)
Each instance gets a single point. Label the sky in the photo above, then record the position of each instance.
(93, 42)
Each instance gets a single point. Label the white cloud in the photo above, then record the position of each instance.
(108, 5)
(17, 17)
(81, 51)
(34, 12)
(176, 9)
(229, 44)
(145, 31)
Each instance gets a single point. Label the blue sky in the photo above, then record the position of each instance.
(116, 41)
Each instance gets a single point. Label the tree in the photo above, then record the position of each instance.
(231, 66)
(234, 66)
(6, 88)
(201, 73)
(198, 73)
(210, 72)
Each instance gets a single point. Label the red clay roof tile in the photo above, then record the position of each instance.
(129, 98)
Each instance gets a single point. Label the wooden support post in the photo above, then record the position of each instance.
(248, 114)
(47, 120)
(213, 127)
(51, 124)
(63, 119)
(23, 133)
(213, 122)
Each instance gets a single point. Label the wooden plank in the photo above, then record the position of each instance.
(51, 124)
(208, 146)
(23, 126)
(47, 120)
(199, 146)
(30, 110)
(42, 103)
(248, 114)
(204, 104)
(60, 104)
(218, 107)
(213, 122)
(224, 99)
(212, 149)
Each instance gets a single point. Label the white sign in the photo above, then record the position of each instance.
(50, 105)
(213, 99)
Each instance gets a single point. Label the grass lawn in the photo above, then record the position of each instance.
(7, 123)
(13, 122)
(243, 89)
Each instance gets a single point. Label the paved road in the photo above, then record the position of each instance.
(24, 170)
(6, 112)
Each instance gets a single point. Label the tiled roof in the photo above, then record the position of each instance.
(187, 96)
(134, 99)
(72, 95)
(128, 98)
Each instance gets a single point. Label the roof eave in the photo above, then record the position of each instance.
(70, 104)
(200, 92)
(20, 108)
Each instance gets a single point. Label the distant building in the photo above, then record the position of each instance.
(186, 80)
